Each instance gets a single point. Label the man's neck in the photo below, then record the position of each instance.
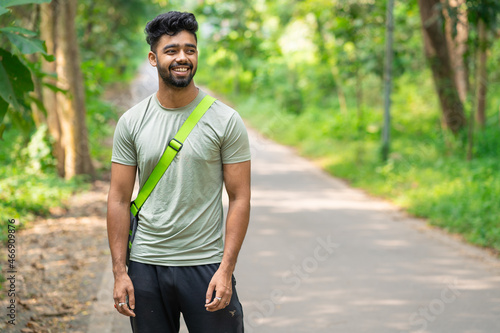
(170, 97)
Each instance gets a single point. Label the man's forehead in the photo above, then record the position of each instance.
(182, 38)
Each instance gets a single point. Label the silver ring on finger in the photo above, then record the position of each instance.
(121, 304)
(218, 298)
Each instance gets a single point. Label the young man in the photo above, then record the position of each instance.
(179, 261)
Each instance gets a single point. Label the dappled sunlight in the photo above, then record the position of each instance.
(265, 254)
(393, 243)
(289, 202)
(268, 232)
(277, 168)
(374, 302)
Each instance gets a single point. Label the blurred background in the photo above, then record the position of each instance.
(312, 74)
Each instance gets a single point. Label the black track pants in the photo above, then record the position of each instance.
(163, 292)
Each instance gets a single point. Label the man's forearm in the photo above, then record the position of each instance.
(236, 228)
(118, 222)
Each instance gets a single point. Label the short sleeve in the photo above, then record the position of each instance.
(235, 146)
(123, 146)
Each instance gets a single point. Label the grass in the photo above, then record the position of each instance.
(29, 185)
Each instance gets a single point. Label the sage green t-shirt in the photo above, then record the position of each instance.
(180, 224)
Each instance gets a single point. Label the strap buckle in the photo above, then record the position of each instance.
(133, 208)
(177, 145)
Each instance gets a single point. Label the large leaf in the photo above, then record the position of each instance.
(19, 30)
(3, 10)
(2, 129)
(26, 45)
(3, 109)
(15, 79)
(9, 3)
(6, 89)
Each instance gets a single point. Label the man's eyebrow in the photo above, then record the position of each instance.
(168, 46)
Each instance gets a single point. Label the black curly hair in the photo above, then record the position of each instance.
(170, 23)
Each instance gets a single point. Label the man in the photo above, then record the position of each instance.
(179, 260)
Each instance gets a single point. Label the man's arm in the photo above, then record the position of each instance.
(118, 221)
(237, 181)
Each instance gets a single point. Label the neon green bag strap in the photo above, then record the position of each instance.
(174, 146)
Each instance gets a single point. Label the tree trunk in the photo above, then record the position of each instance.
(48, 12)
(457, 34)
(66, 110)
(389, 32)
(73, 125)
(482, 74)
(437, 53)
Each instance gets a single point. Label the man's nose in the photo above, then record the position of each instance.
(181, 57)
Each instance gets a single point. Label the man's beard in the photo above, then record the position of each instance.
(169, 79)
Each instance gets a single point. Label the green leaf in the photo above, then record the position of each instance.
(49, 57)
(9, 3)
(21, 122)
(54, 88)
(6, 89)
(3, 109)
(38, 102)
(2, 129)
(19, 30)
(26, 45)
(3, 10)
(15, 79)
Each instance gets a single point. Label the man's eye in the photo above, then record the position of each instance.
(170, 52)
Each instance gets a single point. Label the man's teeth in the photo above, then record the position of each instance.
(180, 69)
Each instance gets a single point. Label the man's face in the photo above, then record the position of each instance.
(177, 59)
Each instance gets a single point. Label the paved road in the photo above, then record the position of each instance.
(322, 257)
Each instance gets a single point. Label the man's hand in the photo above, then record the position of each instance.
(123, 291)
(222, 284)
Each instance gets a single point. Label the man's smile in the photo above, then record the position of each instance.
(180, 69)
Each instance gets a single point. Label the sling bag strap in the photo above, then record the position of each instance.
(174, 146)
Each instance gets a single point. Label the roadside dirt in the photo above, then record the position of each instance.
(58, 263)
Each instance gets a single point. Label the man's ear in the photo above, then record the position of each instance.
(152, 58)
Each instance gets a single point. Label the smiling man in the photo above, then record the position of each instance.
(180, 261)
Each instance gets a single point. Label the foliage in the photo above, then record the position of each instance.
(112, 46)
(109, 37)
(427, 173)
(314, 53)
(15, 68)
(29, 185)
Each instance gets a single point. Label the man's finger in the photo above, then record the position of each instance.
(210, 292)
(124, 309)
(216, 304)
(131, 298)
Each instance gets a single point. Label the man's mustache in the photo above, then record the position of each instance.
(175, 64)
